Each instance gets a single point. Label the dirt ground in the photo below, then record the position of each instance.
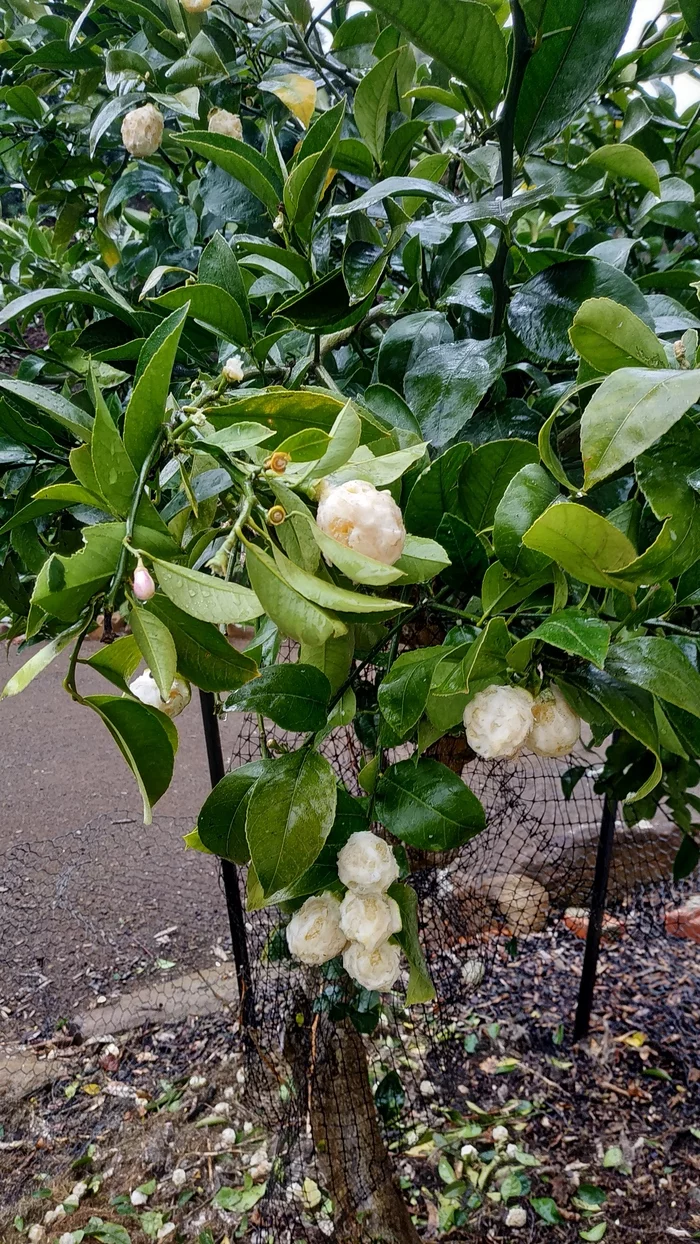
(606, 1133)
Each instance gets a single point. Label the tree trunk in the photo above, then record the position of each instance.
(330, 1066)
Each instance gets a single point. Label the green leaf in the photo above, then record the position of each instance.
(294, 696)
(239, 436)
(325, 594)
(295, 616)
(42, 299)
(345, 436)
(467, 40)
(64, 585)
(205, 596)
(579, 634)
(204, 655)
(58, 408)
(221, 821)
(630, 706)
(428, 806)
(687, 858)
(325, 306)
(377, 95)
(446, 383)
(211, 306)
(434, 493)
(156, 646)
(468, 559)
(583, 543)
(609, 336)
(285, 411)
(114, 472)
(691, 15)
(578, 42)
(631, 410)
(350, 818)
(546, 1209)
(307, 181)
(394, 187)
(37, 663)
(218, 266)
(528, 495)
(117, 661)
(420, 986)
(355, 566)
(290, 814)
(147, 740)
(541, 312)
(623, 160)
(146, 409)
(594, 1233)
(239, 160)
(486, 476)
(658, 666)
(403, 691)
(421, 560)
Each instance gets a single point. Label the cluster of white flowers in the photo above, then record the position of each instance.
(357, 515)
(222, 122)
(145, 689)
(360, 926)
(501, 720)
(142, 131)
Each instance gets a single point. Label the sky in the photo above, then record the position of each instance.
(686, 88)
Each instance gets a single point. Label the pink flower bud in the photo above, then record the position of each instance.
(144, 587)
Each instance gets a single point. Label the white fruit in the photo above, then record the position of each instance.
(314, 934)
(142, 131)
(556, 729)
(145, 689)
(369, 918)
(223, 122)
(373, 969)
(363, 519)
(498, 721)
(366, 864)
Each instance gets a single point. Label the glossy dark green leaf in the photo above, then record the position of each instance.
(221, 821)
(528, 495)
(326, 306)
(239, 160)
(658, 666)
(585, 545)
(486, 475)
(147, 740)
(405, 341)
(204, 655)
(466, 552)
(427, 806)
(218, 266)
(420, 986)
(543, 309)
(445, 385)
(294, 696)
(581, 635)
(57, 408)
(350, 818)
(687, 858)
(146, 409)
(578, 42)
(66, 584)
(404, 689)
(609, 336)
(290, 814)
(434, 493)
(157, 647)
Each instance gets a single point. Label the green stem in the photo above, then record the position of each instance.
(522, 51)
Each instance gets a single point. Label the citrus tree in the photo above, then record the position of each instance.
(327, 325)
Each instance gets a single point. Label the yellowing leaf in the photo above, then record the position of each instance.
(297, 93)
(92, 1089)
(635, 1040)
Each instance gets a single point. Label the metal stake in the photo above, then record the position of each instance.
(229, 871)
(582, 1023)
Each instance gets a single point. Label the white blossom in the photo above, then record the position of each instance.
(228, 1136)
(142, 131)
(500, 1134)
(366, 864)
(468, 1152)
(35, 1234)
(357, 515)
(138, 1198)
(223, 122)
(498, 721)
(145, 689)
(233, 369)
(556, 729)
(516, 1216)
(179, 1177)
(314, 934)
(512, 1152)
(373, 969)
(196, 1082)
(369, 918)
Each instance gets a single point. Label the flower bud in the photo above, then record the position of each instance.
(556, 729)
(366, 864)
(498, 721)
(278, 462)
(145, 689)
(233, 369)
(373, 969)
(142, 131)
(369, 918)
(195, 6)
(278, 223)
(144, 587)
(223, 122)
(314, 934)
(357, 515)
(276, 515)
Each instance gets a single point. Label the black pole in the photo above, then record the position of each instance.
(229, 872)
(582, 1022)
